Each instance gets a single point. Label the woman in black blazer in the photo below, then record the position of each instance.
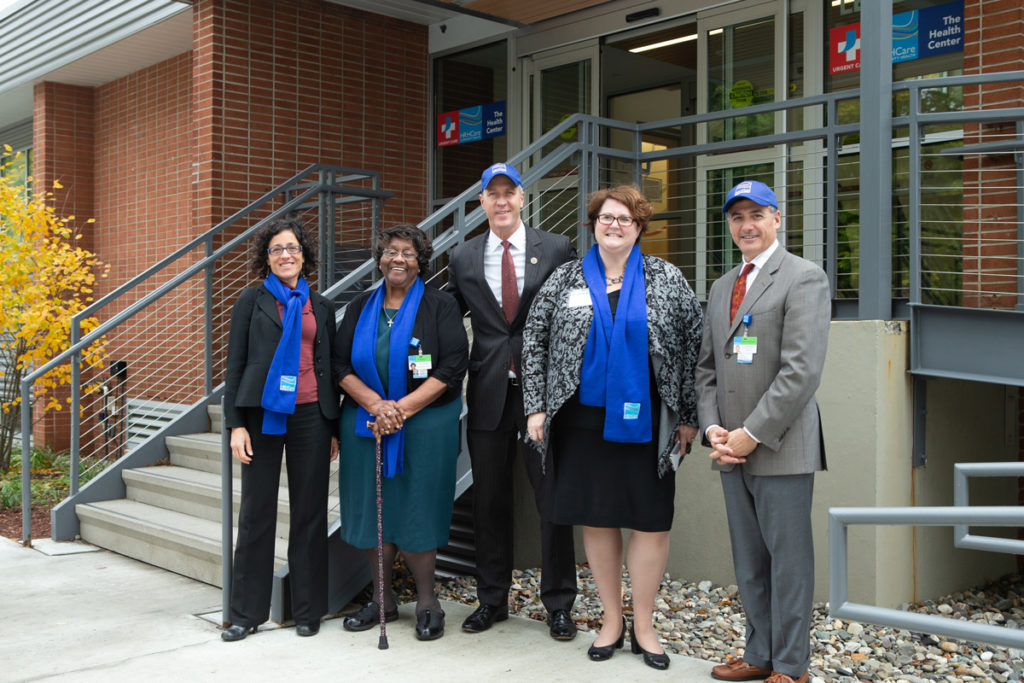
(279, 395)
(399, 358)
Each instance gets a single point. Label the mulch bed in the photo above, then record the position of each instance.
(10, 522)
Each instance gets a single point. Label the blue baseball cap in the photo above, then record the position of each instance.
(499, 169)
(755, 191)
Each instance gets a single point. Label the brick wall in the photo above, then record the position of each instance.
(991, 44)
(162, 155)
(63, 133)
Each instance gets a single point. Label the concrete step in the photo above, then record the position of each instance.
(182, 543)
(202, 452)
(216, 417)
(198, 493)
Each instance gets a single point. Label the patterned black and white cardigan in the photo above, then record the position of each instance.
(555, 337)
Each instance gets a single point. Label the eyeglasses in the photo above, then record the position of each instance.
(608, 219)
(407, 255)
(292, 249)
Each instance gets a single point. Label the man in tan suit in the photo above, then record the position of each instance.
(760, 363)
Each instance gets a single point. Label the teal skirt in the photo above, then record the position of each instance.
(417, 510)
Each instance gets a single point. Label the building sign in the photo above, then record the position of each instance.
(916, 34)
(471, 124)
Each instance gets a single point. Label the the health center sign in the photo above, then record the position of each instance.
(471, 124)
(915, 34)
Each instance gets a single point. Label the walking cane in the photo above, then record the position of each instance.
(382, 644)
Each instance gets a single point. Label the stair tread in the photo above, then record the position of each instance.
(176, 474)
(165, 522)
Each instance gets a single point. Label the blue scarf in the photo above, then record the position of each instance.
(615, 373)
(364, 345)
(278, 400)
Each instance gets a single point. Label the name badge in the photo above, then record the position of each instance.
(419, 364)
(630, 411)
(289, 383)
(579, 297)
(744, 348)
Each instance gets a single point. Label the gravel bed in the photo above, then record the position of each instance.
(706, 621)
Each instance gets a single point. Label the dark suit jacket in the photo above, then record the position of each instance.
(255, 333)
(493, 336)
(439, 328)
(773, 397)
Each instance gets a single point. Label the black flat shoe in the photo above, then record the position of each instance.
(306, 630)
(600, 654)
(561, 625)
(483, 617)
(655, 661)
(430, 624)
(367, 617)
(236, 632)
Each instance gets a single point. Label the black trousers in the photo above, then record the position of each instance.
(492, 454)
(307, 439)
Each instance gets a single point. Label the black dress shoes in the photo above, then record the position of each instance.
(655, 661)
(600, 654)
(483, 617)
(430, 624)
(367, 617)
(561, 625)
(306, 630)
(236, 632)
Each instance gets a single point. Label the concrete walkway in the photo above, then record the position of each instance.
(99, 616)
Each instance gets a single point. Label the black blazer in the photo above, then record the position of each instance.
(493, 336)
(439, 328)
(255, 333)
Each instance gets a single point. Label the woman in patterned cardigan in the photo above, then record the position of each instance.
(609, 351)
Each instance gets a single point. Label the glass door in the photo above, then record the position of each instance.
(557, 84)
(749, 56)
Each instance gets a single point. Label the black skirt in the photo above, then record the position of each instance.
(593, 482)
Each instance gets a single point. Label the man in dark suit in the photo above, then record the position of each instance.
(760, 363)
(495, 277)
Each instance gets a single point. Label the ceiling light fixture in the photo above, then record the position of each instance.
(665, 43)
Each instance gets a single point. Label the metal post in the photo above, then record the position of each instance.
(875, 289)
(227, 502)
(833, 143)
(1018, 159)
(914, 199)
(920, 407)
(76, 407)
(208, 321)
(332, 230)
(26, 463)
(321, 229)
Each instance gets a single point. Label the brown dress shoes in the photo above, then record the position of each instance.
(738, 670)
(776, 677)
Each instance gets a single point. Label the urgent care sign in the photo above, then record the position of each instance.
(916, 34)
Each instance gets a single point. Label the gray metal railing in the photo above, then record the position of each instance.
(841, 608)
(170, 321)
(962, 473)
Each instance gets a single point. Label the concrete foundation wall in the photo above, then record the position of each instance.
(866, 400)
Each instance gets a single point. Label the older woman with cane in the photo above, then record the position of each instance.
(399, 358)
(609, 352)
(278, 396)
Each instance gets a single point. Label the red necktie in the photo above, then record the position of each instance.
(509, 290)
(509, 284)
(738, 290)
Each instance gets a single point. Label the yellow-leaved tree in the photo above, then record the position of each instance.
(45, 279)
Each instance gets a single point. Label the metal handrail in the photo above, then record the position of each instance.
(841, 608)
(329, 185)
(962, 472)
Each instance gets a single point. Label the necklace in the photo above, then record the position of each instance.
(390, 318)
(614, 280)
